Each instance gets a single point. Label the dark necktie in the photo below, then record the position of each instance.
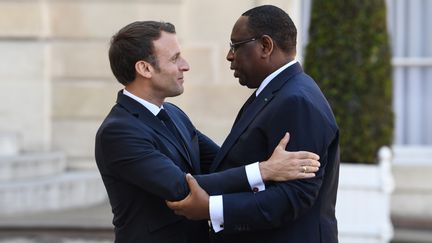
(249, 101)
(166, 119)
(245, 106)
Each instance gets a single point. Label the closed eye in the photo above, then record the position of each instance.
(175, 58)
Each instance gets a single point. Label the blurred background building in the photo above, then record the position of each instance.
(56, 87)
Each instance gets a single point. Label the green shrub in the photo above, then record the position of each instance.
(348, 54)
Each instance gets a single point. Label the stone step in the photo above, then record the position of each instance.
(56, 192)
(97, 217)
(31, 165)
(412, 236)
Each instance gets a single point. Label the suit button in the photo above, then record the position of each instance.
(255, 189)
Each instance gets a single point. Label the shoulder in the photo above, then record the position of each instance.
(119, 121)
(305, 98)
(117, 116)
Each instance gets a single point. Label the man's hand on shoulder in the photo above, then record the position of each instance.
(285, 166)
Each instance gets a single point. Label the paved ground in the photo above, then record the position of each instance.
(82, 225)
(94, 217)
(93, 225)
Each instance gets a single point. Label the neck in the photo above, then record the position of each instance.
(142, 92)
(278, 60)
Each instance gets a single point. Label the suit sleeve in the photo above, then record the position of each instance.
(228, 181)
(136, 159)
(310, 130)
(207, 151)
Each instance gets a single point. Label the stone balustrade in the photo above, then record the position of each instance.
(39, 181)
(31, 165)
(61, 191)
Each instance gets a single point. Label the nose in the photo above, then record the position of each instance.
(184, 65)
(230, 56)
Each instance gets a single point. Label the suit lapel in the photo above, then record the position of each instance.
(152, 121)
(240, 126)
(261, 101)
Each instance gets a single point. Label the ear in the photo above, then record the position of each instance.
(267, 45)
(144, 68)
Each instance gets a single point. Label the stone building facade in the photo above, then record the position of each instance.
(57, 85)
(55, 72)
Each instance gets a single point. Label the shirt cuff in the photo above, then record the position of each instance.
(216, 212)
(253, 175)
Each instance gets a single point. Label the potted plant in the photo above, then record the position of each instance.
(349, 55)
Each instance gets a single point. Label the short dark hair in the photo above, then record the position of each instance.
(275, 22)
(133, 43)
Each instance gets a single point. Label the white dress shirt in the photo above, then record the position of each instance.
(252, 170)
(154, 109)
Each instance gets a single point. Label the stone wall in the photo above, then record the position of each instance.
(25, 107)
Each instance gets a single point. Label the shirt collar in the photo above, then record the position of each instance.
(154, 109)
(272, 76)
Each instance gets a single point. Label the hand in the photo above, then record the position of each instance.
(285, 166)
(196, 205)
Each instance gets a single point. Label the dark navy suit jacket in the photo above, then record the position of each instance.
(142, 164)
(301, 211)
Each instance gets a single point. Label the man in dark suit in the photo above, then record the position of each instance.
(262, 56)
(145, 146)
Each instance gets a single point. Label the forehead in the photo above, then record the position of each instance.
(166, 45)
(240, 29)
